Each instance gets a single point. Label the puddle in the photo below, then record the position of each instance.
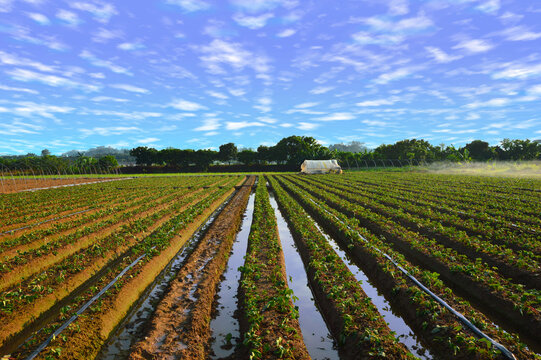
(225, 333)
(118, 346)
(316, 335)
(395, 323)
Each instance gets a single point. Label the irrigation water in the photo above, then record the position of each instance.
(225, 333)
(315, 333)
(395, 322)
(129, 331)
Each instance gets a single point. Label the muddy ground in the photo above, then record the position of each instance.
(180, 327)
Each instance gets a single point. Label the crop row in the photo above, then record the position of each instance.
(65, 245)
(17, 210)
(508, 300)
(87, 334)
(444, 333)
(521, 265)
(272, 329)
(40, 291)
(473, 221)
(353, 318)
(505, 207)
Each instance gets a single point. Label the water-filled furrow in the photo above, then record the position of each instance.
(129, 331)
(394, 321)
(225, 333)
(316, 335)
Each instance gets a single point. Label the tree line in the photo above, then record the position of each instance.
(292, 151)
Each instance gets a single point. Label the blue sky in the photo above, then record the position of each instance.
(199, 73)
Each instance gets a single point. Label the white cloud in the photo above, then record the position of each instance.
(28, 108)
(147, 140)
(496, 102)
(105, 35)
(108, 98)
(306, 105)
(102, 12)
(307, 126)
(253, 22)
(337, 117)
(217, 95)
(190, 5)
(220, 52)
(87, 55)
(231, 125)
(264, 104)
(108, 131)
(398, 7)
(261, 5)
(474, 46)
(535, 90)
(518, 71)
(377, 102)
(51, 80)
(490, 6)
(68, 17)
(14, 60)
(440, 56)
(209, 125)
(130, 46)
(520, 33)
(236, 92)
(368, 38)
(393, 75)
(186, 105)
(130, 88)
(321, 90)
(286, 33)
(39, 18)
(9, 88)
(417, 23)
(5, 6)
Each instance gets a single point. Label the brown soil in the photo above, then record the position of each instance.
(129, 206)
(400, 296)
(180, 326)
(16, 185)
(13, 323)
(89, 333)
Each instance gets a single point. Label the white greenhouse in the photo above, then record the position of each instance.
(320, 167)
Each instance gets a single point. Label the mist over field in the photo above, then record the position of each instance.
(496, 168)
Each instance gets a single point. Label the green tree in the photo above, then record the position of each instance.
(479, 150)
(107, 162)
(293, 150)
(247, 156)
(144, 155)
(228, 152)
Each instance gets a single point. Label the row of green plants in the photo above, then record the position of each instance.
(266, 300)
(64, 245)
(525, 203)
(438, 225)
(519, 305)
(108, 206)
(438, 328)
(131, 240)
(473, 221)
(152, 244)
(355, 321)
(509, 185)
(22, 208)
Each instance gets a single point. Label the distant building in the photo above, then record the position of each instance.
(320, 167)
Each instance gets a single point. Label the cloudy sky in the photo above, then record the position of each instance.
(200, 73)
